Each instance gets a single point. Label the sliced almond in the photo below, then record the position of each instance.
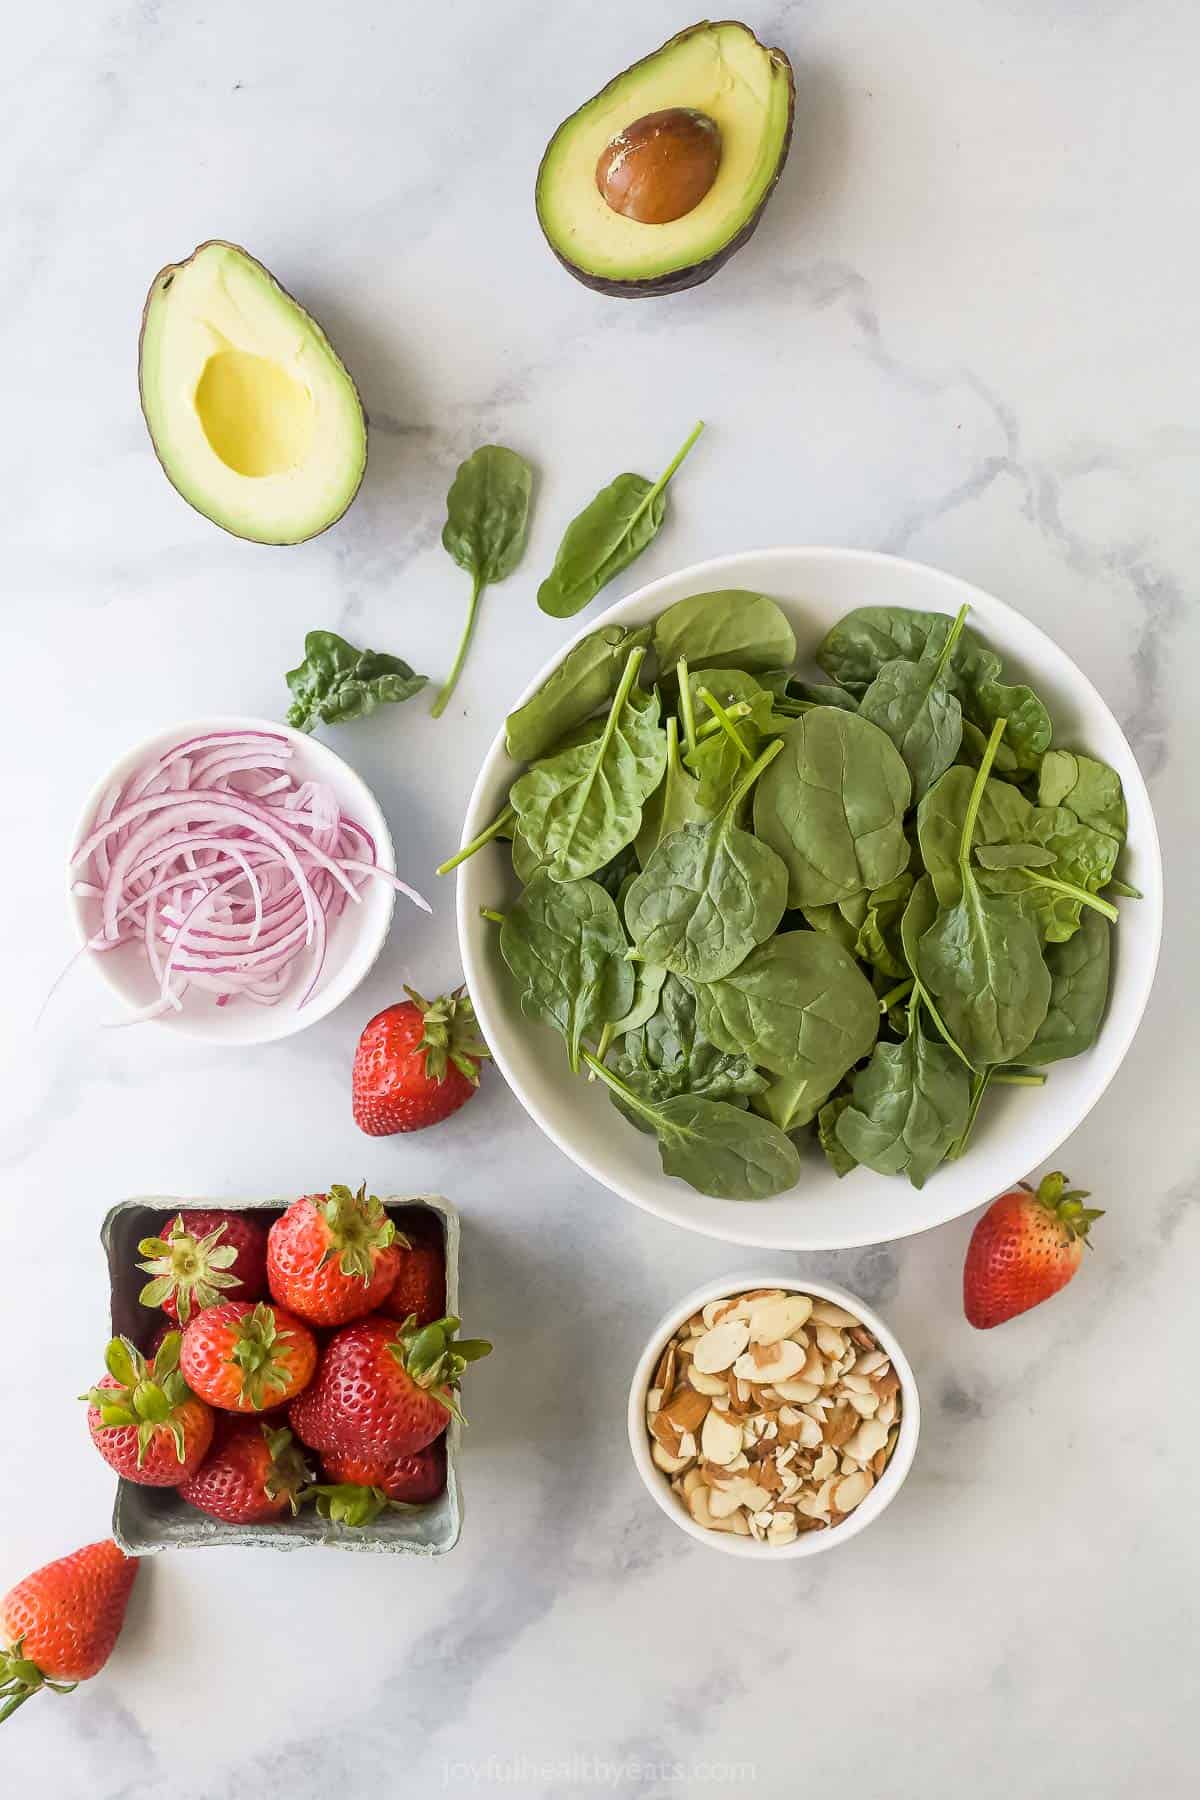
(686, 1410)
(841, 1425)
(825, 1464)
(871, 1362)
(654, 1399)
(770, 1362)
(720, 1438)
(829, 1314)
(693, 1479)
(869, 1438)
(848, 1493)
(721, 1347)
(782, 1529)
(797, 1389)
(830, 1343)
(664, 1375)
(723, 1502)
(705, 1383)
(771, 1320)
(662, 1459)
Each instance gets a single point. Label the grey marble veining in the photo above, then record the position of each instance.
(965, 332)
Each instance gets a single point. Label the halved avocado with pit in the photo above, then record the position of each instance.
(251, 412)
(655, 183)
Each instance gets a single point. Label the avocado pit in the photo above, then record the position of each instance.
(661, 166)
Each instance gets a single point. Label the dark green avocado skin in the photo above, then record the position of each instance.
(654, 286)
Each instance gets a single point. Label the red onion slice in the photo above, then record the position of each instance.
(224, 868)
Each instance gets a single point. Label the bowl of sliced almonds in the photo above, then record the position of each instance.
(771, 1417)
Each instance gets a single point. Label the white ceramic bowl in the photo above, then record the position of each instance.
(355, 938)
(809, 1543)
(1019, 1127)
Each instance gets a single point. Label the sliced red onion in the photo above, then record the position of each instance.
(224, 869)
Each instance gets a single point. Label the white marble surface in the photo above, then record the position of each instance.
(966, 331)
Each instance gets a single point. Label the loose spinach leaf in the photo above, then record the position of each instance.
(981, 959)
(578, 808)
(616, 874)
(487, 521)
(914, 704)
(1078, 993)
(833, 922)
(974, 743)
(909, 1107)
(716, 1148)
(719, 760)
(1013, 856)
(564, 944)
(1091, 790)
(1027, 728)
(648, 979)
(832, 806)
(709, 893)
(731, 628)
(730, 687)
(336, 682)
(676, 802)
(836, 1153)
(610, 532)
(667, 1057)
(799, 1006)
(586, 678)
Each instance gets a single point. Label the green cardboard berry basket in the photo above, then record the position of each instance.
(147, 1519)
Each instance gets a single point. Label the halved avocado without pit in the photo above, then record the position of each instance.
(251, 412)
(655, 183)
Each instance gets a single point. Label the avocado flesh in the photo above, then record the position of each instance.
(251, 414)
(721, 70)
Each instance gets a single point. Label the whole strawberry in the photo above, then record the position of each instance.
(333, 1257)
(246, 1358)
(1024, 1249)
(419, 1290)
(414, 1480)
(416, 1063)
(201, 1257)
(383, 1389)
(253, 1473)
(59, 1625)
(145, 1421)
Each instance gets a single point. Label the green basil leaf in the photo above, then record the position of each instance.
(578, 808)
(487, 521)
(564, 944)
(610, 532)
(336, 682)
(731, 628)
(832, 806)
(586, 678)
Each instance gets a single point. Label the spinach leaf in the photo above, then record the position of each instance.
(648, 981)
(833, 922)
(1013, 856)
(731, 628)
(1090, 789)
(914, 704)
(878, 940)
(798, 1006)
(720, 759)
(564, 944)
(981, 959)
(336, 682)
(610, 532)
(836, 1153)
(616, 874)
(674, 803)
(1027, 728)
(832, 806)
(728, 688)
(585, 679)
(667, 1056)
(1078, 993)
(487, 521)
(709, 893)
(909, 1107)
(716, 1148)
(918, 916)
(974, 743)
(578, 808)
(525, 860)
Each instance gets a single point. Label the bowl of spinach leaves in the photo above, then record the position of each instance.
(809, 898)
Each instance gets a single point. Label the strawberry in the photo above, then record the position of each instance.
(59, 1625)
(1024, 1249)
(383, 1389)
(145, 1421)
(247, 1358)
(359, 1490)
(213, 1256)
(333, 1257)
(419, 1290)
(416, 1063)
(253, 1473)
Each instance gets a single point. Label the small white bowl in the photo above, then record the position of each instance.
(355, 938)
(809, 1543)
(1020, 1128)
